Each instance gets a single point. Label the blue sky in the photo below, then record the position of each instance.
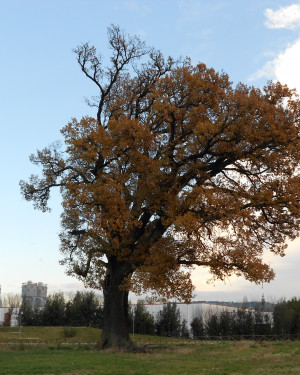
(42, 88)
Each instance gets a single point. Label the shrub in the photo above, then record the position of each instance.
(69, 331)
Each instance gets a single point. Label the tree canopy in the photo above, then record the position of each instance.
(178, 169)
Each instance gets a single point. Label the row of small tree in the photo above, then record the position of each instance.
(167, 322)
(285, 320)
(83, 310)
(235, 323)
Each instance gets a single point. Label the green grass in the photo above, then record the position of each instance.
(240, 358)
(169, 356)
(49, 333)
(82, 334)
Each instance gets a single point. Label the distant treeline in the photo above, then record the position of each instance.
(284, 320)
(85, 309)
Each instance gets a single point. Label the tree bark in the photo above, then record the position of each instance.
(115, 316)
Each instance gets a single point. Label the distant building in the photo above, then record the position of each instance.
(0, 297)
(34, 293)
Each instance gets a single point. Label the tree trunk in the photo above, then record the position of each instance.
(115, 316)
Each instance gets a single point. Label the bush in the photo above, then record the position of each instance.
(69, 331)
(184, 331)
(7, 318)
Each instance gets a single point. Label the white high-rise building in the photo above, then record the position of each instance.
(34, 293)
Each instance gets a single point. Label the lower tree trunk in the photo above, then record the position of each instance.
(115, 316)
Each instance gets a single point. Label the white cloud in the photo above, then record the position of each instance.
(284, 68)
(284, 17)
(137, 7)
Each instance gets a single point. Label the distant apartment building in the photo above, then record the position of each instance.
(34, 294)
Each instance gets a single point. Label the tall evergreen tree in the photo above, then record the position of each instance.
(197, 327)
(168, 322)
(53, 313)
(142, 320)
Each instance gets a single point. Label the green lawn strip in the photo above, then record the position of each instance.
(201, 359)
(86, 334)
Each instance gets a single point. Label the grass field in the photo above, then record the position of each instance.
(56, 335)
(48, 333)
(238, 358)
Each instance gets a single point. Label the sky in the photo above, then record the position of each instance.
(42, 88)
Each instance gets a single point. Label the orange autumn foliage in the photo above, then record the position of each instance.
(178, 169)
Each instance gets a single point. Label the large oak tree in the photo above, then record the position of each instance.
(177, 169)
